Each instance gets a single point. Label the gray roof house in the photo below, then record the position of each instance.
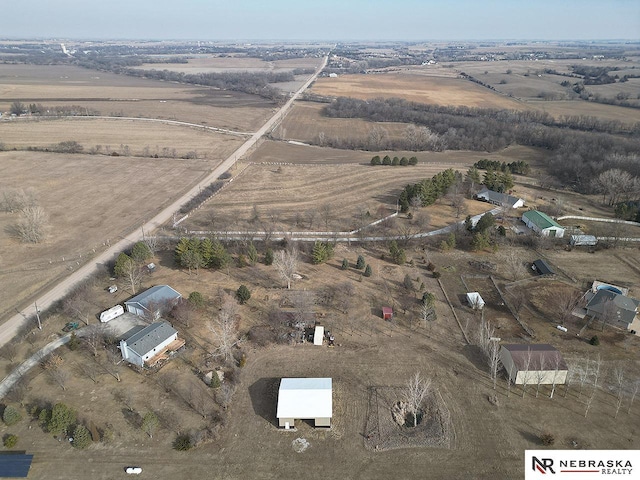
(152, 341)
(152, 301)
(497, 198)
(618, 307)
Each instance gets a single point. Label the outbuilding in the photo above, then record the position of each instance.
(318, 335)
(500, 199)
(305, 399)
(475, 301)
(583, 241)
(153, 301)
(542, 268)
(534, 363)
(542, 224)
(387, 313)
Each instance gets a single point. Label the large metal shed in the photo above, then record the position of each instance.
(305, 399)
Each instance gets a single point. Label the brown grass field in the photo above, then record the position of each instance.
(204, 64)
(130, 96)
(415, 88)
(90, 200)
(113, 133)
(342, 179)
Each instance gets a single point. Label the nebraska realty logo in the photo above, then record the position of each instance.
(581, 464)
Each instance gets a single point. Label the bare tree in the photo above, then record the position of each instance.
(150, 423)
(90, 369)
(9, 351)
(311, 216)
(153, 242)
(199, 401)
(224, 394)
(167, 380)
(567, 302)
(77, 306)
(53, 366)
(126, 397)
(286, 262)
(634, 392)
(113, 364)
(32, 225)
(618, 375)
(414, 393)
(225, 329)
(512, 262)
(94, 340)
(540, 373)
(526, 368)
(555, 363)
(326, 212)
(583, 374)
(494, 361)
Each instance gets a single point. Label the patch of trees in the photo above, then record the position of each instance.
(428, 190)
(32, 225)
(595, 75)
(404, 161)
(575, 158)
(256, 83)
(519, 167)
(203, 195)
(193, 254)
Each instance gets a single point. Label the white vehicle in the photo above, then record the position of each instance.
(112, 288)
(133, 470)
(112, 313)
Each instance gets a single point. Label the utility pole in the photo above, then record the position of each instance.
(38, 315)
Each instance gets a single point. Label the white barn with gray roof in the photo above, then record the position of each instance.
(152, 301)
(147, 343)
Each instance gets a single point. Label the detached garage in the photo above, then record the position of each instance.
(533, 362)
(305, 399)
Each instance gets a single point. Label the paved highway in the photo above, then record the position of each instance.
(10, 328)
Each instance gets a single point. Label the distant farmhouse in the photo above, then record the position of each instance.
(610, 304)
(501, 199)
(149, 345)
(533, 363)
(153, 302)
(542, 224)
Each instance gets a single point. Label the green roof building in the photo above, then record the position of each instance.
(542, 224)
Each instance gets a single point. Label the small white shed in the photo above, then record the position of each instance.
(318, 335)
(475, 301)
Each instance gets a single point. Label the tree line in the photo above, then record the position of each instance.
(428, 190)
(576, 158)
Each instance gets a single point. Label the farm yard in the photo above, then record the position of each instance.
(371, 357)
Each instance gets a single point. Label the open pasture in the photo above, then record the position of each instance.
(121, 95)
(416, 88)
(112, 133)
(90, 200)
(233, 63)
(346, 186)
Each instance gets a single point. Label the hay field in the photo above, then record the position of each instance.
(321, 176)
(112, 133)
(305, 121)
(110, 94)
(90, 200)
(233, 63)
(416, 88)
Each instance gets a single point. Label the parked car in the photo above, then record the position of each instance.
(133, 470)
(113, 288)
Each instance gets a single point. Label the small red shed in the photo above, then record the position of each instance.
(387, 313)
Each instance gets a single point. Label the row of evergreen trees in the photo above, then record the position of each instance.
(429, 189)
(387, 160)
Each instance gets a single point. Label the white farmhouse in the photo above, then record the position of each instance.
(149, 344)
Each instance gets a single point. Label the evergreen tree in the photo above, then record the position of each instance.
(243, 294)
(141, 252)
(206, 251)
(345, 264)
(376, 160)
(123, 265)
(11, 415)
(386, 160)
(61, 418)
(196, 299)
(268, 257)
(219, 255)
(252, 253)
(485, 223)
(360, 263)
(367, 271)
(81, 437)
(398, 255)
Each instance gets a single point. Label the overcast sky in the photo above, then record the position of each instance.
(321, 19)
